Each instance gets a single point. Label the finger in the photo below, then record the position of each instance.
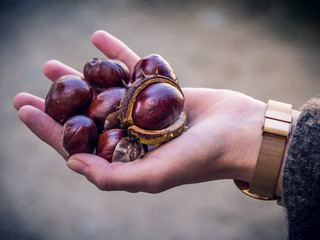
(54, 69)
(114, 48)
(43, 126)
(23, 99)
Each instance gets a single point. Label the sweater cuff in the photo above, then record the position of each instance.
(301, 176)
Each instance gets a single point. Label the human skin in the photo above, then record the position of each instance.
(222, 140)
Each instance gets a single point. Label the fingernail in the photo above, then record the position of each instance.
(76, 165)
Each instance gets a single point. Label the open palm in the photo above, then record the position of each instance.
(222, 139)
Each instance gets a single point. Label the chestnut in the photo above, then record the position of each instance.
(104, 104)
(79, 135)
(151, 110)
(128, 150)
(157, 106)
(153, 64)
(68, 96)
(108, 141)
(112, 121)
(105, 73)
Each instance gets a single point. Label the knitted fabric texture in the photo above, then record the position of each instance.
(301, 177)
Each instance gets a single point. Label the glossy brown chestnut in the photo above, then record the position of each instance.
(68, 96)
(151, 65)
(104, 104)
(108, 141)
(105, 73)
(79, 135)
(157, 106)
(144, 90)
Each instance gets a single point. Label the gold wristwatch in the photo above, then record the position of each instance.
(276, 129)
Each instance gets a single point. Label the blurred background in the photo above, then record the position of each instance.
(266, 49)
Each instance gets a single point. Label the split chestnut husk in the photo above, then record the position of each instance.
(151, 118)
(158, 137)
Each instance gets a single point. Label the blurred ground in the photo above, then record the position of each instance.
(262, 50)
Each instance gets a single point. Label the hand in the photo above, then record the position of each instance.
(222, 140)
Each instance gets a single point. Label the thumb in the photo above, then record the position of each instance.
(91, 166)
(130, 176)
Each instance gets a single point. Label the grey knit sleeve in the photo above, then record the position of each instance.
(301, 177)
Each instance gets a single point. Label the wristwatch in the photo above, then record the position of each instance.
(276, 130)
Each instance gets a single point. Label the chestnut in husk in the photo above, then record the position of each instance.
(105, 73)
(68, 96)
(105, 103)
(147, 113)
(79, 135)
(151, 65)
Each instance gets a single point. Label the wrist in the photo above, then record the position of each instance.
(276, 129)
(245, 157)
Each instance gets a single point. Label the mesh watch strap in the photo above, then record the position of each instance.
(276, 129)
(268, 166)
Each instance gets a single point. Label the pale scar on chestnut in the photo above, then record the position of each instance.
(128, 150)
